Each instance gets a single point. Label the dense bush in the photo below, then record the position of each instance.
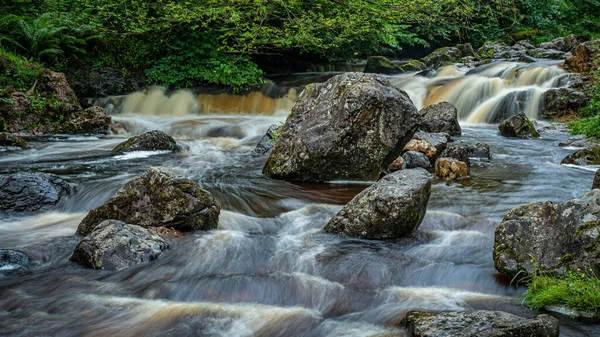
(17, 71)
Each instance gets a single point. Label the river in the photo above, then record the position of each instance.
(269, 269)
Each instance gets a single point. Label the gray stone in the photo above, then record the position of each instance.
(518, 126)
(381, 65)
(578, 141)
(584, 157)
(478, 323)
(351, 127)
(460, 152)
(413, 159)
(12, 261)
(391, 208)
(562, 101)
(158, 198)
(150, 141)
(479, 151)
(549, 237)
(441, 117)
(114, 245)
(443, 56)
(29, 192)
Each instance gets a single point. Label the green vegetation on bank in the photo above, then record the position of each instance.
(17, 71)
(578, 290)
(228, 42)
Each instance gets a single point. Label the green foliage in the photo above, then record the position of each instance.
(578, 290)
(17, 71)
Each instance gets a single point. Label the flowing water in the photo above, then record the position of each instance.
(269, 269)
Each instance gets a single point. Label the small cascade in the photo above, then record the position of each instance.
(486, 94)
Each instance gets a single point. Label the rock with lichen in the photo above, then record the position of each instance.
(158, 198)
(155, 140)
(518, 126)
(583, 157)
(544, 237)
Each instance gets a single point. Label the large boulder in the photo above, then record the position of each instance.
(563, 44)
(92, 120)
(268, 140)
(89, 81)
(150, 141)
(546, 237)
(29, 192)
(381, 65)
(441, 117)
(562, 101)
(450, 169)
(158, 198)
(579, 59)
(10, 140)
(413, 65)
(478, 323)
(351, 127)
(518, 126)
(541, 53)
(54, 85)
(391, 208)
(12, 261)
(114, 245)
(584, 157)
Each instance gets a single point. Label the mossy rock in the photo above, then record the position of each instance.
(589, 156)
(381, 65)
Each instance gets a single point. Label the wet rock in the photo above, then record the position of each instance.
(479, 151)
(11, 261)
(430, 144)
(268, 140)
(497, 51)
(397, 164)
(30, 192)
(381, 65)
(585, 157)
(413, 65)
(596, 183)
(14, 116)
(7, 139)
(413, 159)
(563, 44)
(442, 56)
(518, 126)
(526, 59)
(578, 141)
(54, 85)
(554, 237)
(92, 120)
(579, 59)
(460, 152)
(158, 198)
(466, 50)
(391, 208)
(562, 101)
(150, 141)
(351, 127)
(114, 245)
(450, 169)
(441, 117)
(478, 323)
(546, 54)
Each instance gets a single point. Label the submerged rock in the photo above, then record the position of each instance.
(562, 101)
(381, 65)
(450, 169)
(158, 198)
(268, 140)
(150, 141)
(11, 261)
(478, 323)
(351, 127)
(441, 117)
(548, 237)
(518, 126)
(30, 192)
(413, 159)
(7, 139)
(585, 157)
(391, 208)
(114, 245)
